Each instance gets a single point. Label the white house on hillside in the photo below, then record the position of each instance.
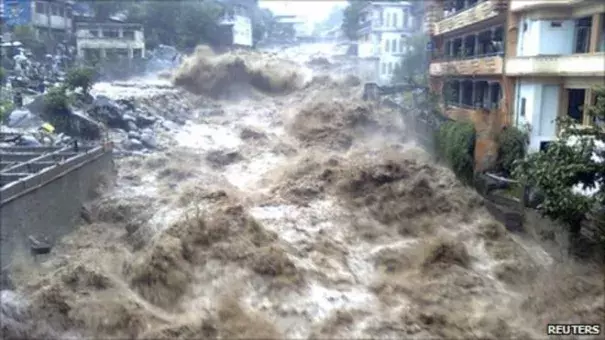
(383, 27)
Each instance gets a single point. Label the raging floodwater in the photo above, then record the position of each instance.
(295, 211)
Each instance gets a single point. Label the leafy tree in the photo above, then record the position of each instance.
(183, 24)
(263, 23)
(412, 68)
(81, 77)
(576, 158)
(350, 22)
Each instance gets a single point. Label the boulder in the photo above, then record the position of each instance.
(133, 144)
(23, 119)
(144, 121)
(107, 111)
(148, 139)
(28, 140)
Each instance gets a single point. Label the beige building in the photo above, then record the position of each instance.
(108, 40)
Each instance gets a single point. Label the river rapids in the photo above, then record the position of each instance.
(287, 207)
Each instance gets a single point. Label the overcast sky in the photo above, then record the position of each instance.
(312, 10)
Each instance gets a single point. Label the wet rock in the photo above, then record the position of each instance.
(211, 112)
(131, 126)
(220, 158)
(84, 126)
(127, 104)
(134, 135)
(251, 133)
(144, 121)
(133, 144)
(128, 118)
(107, 111)
(180, 120)
(148, 140)
(28, 140)
(23, 119)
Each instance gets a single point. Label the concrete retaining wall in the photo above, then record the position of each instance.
(48, 205)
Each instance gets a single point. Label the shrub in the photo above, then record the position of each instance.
(512, 146)
(56, 108)
(5, 108)
(456, 145)
(81, 77)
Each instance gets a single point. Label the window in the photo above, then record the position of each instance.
(405, 19)
(384, 68)
(386, 46)
(390, 68)
(522, 108)
(394, 45)
(54, 9)
(40, 7)
(388, 20)
(401, 45)
(575, 106)
(395, 20)
(582, 35)
(130, 35)
(556, 24)
(110, 34)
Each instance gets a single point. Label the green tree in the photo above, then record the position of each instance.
(81, 77)
(183, 24)
(263, 23)
(576, 158)
(412, 69)
(350, 21)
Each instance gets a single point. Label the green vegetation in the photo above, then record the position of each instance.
(5, 108)
(180, 23)
(80, 78)
(512, 146)
(350, 22)
(412, 68)
(56, 108)
(567, 162)
(456, 146)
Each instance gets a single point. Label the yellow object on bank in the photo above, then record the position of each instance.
(48, 128)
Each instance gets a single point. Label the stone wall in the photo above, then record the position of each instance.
(48, 206)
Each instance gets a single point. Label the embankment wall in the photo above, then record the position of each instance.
(48, 205)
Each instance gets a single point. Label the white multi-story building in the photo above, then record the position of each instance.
(381, 38)
(237, 22)
(558, 59)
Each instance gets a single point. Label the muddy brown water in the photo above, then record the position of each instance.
(298, 215)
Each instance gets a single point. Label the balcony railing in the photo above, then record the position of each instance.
(480, 12)
(569, 65)
(490, 65)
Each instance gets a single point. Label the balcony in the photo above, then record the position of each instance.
(480, 12)
(590, 64)
(478, 66)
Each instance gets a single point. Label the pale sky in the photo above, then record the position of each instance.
(314, 11)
